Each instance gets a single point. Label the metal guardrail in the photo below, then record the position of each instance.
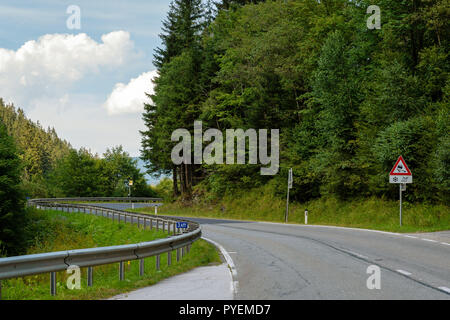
(179, 240)
(99, 199)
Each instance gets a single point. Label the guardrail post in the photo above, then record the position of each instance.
(141, 267)
(139, 222)
(169, 258)
(121, 271)
(90, 276)
(0, 290)
(174, 228)
(53, 283)
(157, 224)
(158, 262)
(151, 224)
(178, 254)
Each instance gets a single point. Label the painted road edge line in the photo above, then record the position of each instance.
(445, 289)
(234, 283)
(429, 240)
(350, 228)
(406, 273)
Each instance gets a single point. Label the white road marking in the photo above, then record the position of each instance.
(335, 227)
(235, 287)
(445, 289)
(445, 243)
(331, 227)
(429, 240)
(234, 284)
(357, 254)
(406, 273)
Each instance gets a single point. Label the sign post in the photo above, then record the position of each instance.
(400, 174)
(290, 180)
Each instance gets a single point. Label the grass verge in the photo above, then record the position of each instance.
(371, 213)
(58, 231)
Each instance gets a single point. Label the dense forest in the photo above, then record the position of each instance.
(51, 167)
(348, 100)
(35, 162)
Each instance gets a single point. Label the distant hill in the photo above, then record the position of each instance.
(40, 148)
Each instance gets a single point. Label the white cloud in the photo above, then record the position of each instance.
(60, 80)
(130, 98)
(56, 61)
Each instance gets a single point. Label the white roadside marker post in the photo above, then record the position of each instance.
(290, 180)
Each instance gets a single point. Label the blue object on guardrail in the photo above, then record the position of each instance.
(182, 225)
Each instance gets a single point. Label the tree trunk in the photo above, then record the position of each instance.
(182, 181)
(176, 193)
(187, 170)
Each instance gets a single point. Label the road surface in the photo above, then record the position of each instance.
(279, 261)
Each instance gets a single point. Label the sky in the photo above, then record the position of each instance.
(82, 67)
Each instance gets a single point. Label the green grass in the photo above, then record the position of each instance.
(64, 231)
(371, 213)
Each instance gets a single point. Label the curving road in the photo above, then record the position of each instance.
(279, 261)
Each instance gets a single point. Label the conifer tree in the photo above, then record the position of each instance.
(11, 197)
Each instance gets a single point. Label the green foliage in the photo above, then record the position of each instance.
(58, 231)
(82, 174)
(415, 139)
(177, 90)
(39, 150)
(347, 100)
(12, 211)
(164, 189)
(260, 204)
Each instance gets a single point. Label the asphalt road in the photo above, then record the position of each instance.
(279, 261)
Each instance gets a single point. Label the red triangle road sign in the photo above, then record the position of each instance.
(400, 168)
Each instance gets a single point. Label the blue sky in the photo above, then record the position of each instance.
(87, 83)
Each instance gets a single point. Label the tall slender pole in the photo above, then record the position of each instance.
(400, 204)
(287, 207)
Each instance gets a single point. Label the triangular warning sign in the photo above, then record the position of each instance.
(400, 168)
